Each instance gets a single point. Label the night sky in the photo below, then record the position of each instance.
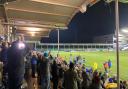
(98, 20)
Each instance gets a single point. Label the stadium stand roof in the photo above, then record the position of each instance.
(42, 14)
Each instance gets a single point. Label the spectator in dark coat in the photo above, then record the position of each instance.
(3, 56)
(3, 53)
(71, 78)
(16, 64)
(55, 75)
(61, 76)
(34, 65)
(45, 72)
(38, 68)
(86, 80)
(96, 84)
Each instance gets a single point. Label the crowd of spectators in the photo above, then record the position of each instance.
(52, 72)
(56, 73)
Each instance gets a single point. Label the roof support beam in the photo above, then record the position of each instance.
(37, 34)
(21, 30)
(26, 21)
(32, 29)
(28, 32)
(4, 13)
(6, 27)
(9, 8)
(35, 25)
(58, 4)
(29, 35)
(32, 41)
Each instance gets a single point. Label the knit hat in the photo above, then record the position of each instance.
(45, 54)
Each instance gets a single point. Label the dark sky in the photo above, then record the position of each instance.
(98, 20)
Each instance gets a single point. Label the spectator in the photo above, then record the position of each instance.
(27, 66)
(125, 86)
(96, 84)
(45, 72)
(106, 66)
(55, 75)
(1, 71)
(70, 78)
(121, 85)
(86, 80)
(3, 56)
(109, 63)
(38, 67)
(61, 75)
(16, 64)
(34, 65)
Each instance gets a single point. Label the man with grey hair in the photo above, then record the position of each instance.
(16, 64)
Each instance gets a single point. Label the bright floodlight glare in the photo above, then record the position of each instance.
(33, 29)
(21, 45)
(125, 30)
(32, 33)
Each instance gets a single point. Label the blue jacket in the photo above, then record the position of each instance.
(3, 54)
(34, 60)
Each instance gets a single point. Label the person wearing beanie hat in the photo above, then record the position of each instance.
(45, 54)
(45, 72)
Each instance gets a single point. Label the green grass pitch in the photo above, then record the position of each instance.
(100, 57)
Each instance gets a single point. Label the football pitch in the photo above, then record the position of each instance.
(100, 57)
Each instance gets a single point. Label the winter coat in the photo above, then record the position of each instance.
(70, 79)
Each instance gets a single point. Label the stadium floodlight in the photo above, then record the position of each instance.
(33, 29)
(32, 33)
(125, 30)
